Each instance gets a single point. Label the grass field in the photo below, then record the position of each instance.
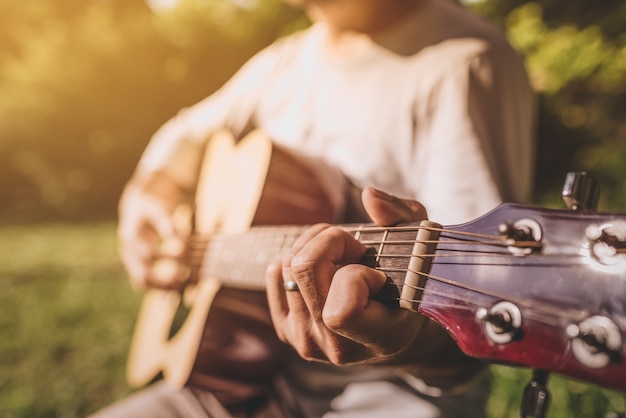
(67, 312)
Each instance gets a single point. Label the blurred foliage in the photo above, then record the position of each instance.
(84, 84)
(576, 56)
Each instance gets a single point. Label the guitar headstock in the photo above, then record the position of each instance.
(536, 287)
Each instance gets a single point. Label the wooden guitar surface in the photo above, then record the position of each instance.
(520, 285)
(227, 343)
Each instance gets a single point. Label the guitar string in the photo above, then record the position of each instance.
(550, 317)
(365, 229)
(540, 313)
(539, 317)
(411, 228)
(497, 240)
(547, 309)
(544, 314)
(199, 247)
(468, 305)
(203, 242)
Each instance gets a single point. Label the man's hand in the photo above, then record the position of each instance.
(151, 242)
(333, 316)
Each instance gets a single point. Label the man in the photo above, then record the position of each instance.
(419, 98)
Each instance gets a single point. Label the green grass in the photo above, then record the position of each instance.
(65, 320)
(66, 316)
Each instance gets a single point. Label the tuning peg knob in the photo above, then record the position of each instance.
(607, 242)
(522, 237)
(596, 341)
(580, 191)
(503, 322)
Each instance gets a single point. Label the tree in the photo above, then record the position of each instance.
(85, 83)
(576, 55)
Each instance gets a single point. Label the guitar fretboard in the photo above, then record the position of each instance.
(240, 260)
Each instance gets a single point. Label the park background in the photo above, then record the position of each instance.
(84, 84)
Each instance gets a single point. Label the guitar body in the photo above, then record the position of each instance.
(226, 343)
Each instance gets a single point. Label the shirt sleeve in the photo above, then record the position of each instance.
(177, 147)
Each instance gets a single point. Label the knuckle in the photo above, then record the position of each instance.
(303, 267)
(333, 234)
(334, 231)
(320, 228)
(306, 262)
(308, 234)
(335, 319)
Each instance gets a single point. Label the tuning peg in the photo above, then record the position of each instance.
(580, 191)
(522, 237)
(596, 341)
(503, 322)
(607, 242)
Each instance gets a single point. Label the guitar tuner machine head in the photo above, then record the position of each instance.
(607, 243)
(522, 237)
(503, 322)
(596, 341)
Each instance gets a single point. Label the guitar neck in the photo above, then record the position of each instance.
(240, 260)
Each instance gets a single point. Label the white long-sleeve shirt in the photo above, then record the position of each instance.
(450, 126)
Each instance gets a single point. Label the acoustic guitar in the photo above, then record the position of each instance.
(521, 285)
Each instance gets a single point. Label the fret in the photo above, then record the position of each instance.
(357, 233)
(381, 247)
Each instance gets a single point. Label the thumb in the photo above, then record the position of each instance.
(387, 210)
